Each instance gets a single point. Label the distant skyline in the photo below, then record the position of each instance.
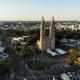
(11, 10)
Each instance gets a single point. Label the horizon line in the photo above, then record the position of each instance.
(35, 20)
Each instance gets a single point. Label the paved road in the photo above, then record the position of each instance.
(16, 61)
(21, 69)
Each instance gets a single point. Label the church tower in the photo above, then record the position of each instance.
(42, 42)
(46, 42)
(52, 33)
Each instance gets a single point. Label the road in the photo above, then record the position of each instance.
(21, 71)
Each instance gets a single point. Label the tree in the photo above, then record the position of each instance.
(31, 40)
(26, 52)
(6, 49)
(73, 54)
(5, 67)
(9, 61)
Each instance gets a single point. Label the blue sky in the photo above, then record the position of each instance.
(34, 9)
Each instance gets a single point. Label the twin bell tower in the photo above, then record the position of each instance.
(46, 42)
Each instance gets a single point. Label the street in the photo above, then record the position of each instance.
(21, 71)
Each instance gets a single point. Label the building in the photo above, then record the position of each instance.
(46, 42)
(19, 40)
(2, 54)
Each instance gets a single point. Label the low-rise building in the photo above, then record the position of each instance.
(19, 40)
(2, 54)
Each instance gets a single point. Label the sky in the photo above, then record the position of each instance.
(35, 9)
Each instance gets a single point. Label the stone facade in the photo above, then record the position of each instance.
(46, 42)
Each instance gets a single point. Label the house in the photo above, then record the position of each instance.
(56, 52)
(52, 52)
(19, 40)
(60, 51)
(65, 76)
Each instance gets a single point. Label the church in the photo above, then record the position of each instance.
(46, 42)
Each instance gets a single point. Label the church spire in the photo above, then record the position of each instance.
(53, 22)
(42, 27)
(42, 19)
(42, 23)
(42, 35)
(52, 28)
